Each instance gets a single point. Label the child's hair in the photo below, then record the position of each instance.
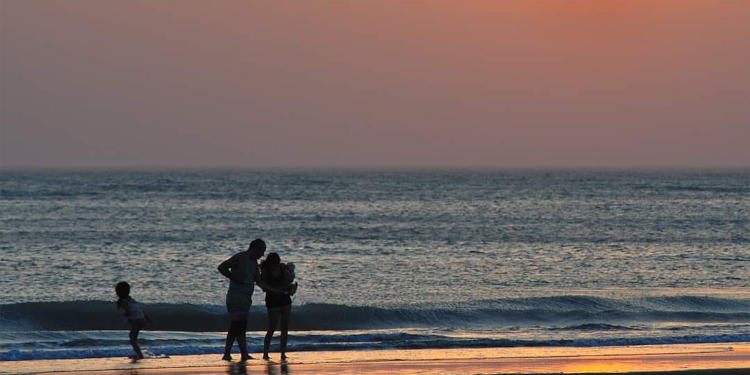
(122, 289)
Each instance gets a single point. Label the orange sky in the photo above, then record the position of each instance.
(522, 83)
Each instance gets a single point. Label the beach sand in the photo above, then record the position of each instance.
(722, 358)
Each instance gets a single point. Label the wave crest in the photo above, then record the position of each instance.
(565, 311)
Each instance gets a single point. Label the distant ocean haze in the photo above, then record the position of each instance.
(507, 255)
(399, 237)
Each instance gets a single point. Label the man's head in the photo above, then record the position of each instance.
(257, 248)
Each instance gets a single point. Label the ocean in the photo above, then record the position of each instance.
(385, 258)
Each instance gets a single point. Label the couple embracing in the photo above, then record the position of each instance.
(276, 280)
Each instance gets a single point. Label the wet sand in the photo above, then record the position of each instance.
(724, 358)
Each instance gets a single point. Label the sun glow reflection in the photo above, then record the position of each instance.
(601, 367)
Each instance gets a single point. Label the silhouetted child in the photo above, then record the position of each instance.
(133, 313)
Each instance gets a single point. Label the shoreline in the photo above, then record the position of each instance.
(688, 359)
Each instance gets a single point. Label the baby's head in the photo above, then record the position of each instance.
(122, 289)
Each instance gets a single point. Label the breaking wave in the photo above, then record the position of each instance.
(573, 312)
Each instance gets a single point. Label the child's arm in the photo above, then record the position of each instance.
(288, 271)
(291, 288)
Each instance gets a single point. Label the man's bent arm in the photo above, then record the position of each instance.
(224, 268)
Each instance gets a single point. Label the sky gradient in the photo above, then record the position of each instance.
(517, 83)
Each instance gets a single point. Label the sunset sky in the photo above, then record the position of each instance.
(516, 83)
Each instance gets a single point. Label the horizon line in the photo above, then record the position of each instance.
(359, 168)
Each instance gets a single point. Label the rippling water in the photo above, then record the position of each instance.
(613, 254)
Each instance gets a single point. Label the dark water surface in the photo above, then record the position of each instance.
(384, 258)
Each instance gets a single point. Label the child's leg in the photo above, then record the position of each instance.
(273, 317)
(135, 328)
(285, 313)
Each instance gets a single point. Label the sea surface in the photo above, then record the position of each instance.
(385, 258)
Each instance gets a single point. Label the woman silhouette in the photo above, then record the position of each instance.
(278, 277)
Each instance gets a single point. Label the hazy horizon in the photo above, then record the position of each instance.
(365, 169)
(542, 84)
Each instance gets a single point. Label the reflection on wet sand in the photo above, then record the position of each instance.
(236, 368)
(277, 369)
(271, 369)
(700, 359)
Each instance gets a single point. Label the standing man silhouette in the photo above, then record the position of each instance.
(242, 271)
